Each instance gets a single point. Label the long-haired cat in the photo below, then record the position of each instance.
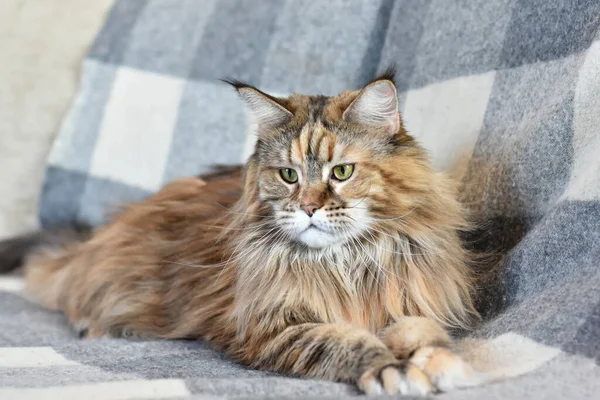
(334, 254)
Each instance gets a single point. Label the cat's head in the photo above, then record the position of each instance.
(328, 169)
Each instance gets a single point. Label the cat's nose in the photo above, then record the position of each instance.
(310, 209)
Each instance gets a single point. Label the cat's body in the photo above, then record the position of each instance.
(334, 254)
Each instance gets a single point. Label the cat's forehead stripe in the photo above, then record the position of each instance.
(304, 138)
(314, 144)
(297, 154)
(290, 158)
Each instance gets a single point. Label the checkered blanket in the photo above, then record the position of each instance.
(505, 95)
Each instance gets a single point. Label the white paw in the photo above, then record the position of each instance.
(401, 378)
(446, 370)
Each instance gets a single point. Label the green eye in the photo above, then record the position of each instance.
(343, 172)
(289, 175)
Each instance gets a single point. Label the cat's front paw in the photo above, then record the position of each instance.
(445, 369)
(398, 378)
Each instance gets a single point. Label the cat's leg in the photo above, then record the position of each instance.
(429, 347)
(340, 353)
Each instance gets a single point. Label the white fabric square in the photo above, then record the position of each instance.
(446, 119)
(29, 357)
(13, 284)
(123, 390)
(137, 129)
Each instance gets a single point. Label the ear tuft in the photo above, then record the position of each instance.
(266, 109)
(376, 105)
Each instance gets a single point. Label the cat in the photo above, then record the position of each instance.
(334, 253)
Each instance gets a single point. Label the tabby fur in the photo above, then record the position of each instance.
(368, 299)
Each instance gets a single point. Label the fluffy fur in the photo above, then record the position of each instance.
(343, 280)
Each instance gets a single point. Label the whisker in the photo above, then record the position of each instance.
(389, 271)
(393, 218)
(363, 251)
(221, 264)
(361, 200)
(194, 265)
(379, 267)
(391, 251)
(231, 257)
(260, 242)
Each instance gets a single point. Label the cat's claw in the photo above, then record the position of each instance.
(402, 378)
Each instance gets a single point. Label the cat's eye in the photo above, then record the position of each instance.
(289, 175)
(342, 172)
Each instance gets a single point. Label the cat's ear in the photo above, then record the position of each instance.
(266, 109)
(376, 105)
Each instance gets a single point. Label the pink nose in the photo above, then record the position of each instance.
(310, 209)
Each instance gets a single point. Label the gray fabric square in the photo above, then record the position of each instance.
(102, 198)
(100, 352)
(270, 387)
(549, 282)
(157, 44)
(62, 193)
(111, 44)
(180, 366)
(318, 47)
(154, 359)
(560, 28)
(406, 27)
(372, 56)
(57, 376)
(557, 249)
(546, 320)
(27, 324)
(522, 160)
(461, 37)
(238, 50)
(211, 129)
(586, 340)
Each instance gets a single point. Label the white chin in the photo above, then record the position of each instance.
(315, 238)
